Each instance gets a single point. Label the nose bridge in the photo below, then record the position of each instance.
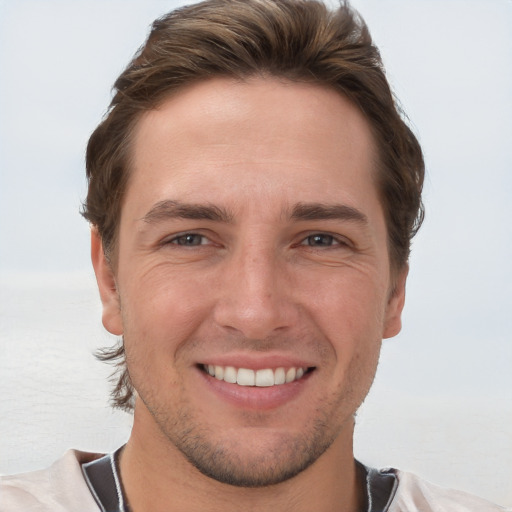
(260, 272)
(255, 300)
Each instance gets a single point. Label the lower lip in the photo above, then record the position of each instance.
(254, 397)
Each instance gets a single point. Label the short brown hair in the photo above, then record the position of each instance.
(300, 40)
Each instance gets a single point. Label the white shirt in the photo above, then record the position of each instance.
(62, 488)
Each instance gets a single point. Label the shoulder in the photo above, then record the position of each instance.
(414, 494)
(59, 488)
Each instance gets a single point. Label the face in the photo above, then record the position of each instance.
(252, 284)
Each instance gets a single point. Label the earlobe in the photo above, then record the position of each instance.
(107, 286)
(393, 319)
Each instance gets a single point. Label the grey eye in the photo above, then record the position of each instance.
(189, 239)
(320, 240)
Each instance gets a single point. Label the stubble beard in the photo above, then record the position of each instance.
(226, 459)
(227, 462)
(246, 461)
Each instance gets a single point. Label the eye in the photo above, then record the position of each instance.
(189, 240)
(320, 240)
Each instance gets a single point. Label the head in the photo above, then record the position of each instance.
(297, 41)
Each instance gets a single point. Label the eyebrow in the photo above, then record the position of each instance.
(320, 211)
(170, 209)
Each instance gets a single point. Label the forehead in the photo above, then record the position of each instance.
(282, 141)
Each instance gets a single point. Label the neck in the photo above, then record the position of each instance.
(157, 477)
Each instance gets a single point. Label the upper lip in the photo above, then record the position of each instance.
(258, 361)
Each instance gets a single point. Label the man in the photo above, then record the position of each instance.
(253, 192)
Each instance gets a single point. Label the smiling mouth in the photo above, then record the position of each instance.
(265, 377)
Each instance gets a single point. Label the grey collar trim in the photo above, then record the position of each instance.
(102, 477)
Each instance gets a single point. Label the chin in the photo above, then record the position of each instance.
(256, 461)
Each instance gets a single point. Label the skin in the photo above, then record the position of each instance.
(262, 282)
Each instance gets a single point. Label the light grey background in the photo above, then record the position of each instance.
(441, 405)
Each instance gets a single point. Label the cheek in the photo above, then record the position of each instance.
(361, 372)
(350, 315)
(348, 304)
(161, 312)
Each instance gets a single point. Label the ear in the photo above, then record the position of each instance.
(107, 286)
(396, 301)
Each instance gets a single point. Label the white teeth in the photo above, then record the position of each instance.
(230, 374)
(245, 377)
(290, 374)
(262, 378)
(219, 372)
(279, 376)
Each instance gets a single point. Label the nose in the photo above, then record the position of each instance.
(256, 299)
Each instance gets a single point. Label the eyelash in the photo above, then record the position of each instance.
(176, 240)
(332, 240)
